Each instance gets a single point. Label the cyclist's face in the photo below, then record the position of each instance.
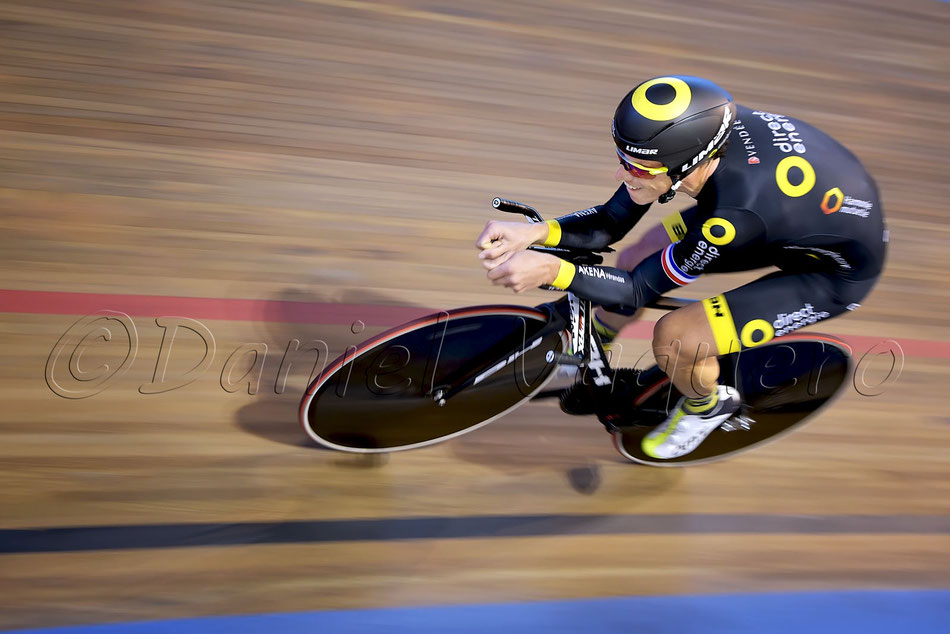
(644, 190)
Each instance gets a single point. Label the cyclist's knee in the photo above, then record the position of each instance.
(682, 334)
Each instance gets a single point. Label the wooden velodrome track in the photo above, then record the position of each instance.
(332, 161)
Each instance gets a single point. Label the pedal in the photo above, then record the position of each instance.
(740, 422)
(614, 423)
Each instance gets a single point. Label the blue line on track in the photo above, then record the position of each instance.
(864, 612)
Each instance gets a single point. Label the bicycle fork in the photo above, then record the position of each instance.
(572, 314)
(586, 347)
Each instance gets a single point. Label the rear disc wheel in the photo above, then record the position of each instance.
(782, 383)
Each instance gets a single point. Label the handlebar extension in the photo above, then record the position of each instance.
(514, 207)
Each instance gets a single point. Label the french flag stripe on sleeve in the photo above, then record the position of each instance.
(672, 271)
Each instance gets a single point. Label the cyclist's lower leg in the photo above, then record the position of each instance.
(685, 349)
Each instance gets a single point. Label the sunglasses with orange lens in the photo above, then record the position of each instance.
(640, 171)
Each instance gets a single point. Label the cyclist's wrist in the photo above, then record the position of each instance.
(564, 274)
(549, 233)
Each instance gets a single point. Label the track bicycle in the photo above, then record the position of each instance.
(447, 374)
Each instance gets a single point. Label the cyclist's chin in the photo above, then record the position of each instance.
(643, 195)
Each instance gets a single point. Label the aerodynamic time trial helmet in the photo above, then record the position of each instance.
(677, 120)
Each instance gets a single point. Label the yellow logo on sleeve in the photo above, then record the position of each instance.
(727, 231)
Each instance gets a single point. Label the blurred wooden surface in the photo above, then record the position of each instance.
(346, 152)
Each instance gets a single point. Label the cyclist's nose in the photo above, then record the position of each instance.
(626, 177)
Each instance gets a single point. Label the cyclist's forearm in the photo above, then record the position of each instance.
(609, 286)
(598, 226)
(586, 229)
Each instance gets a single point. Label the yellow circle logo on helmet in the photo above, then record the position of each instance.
(683, 96)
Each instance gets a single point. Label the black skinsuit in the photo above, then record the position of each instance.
(785, 195)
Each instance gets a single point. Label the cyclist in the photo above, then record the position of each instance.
(784, 195)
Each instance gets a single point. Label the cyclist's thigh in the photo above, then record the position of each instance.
(778, 304)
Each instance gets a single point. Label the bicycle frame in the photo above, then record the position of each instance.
(569, 313)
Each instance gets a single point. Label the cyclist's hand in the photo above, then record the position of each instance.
(525, 270)
(500, 240)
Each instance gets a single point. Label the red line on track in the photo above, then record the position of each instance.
(277, 311)
(330, 314)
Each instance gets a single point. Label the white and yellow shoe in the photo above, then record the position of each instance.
(690, 423)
